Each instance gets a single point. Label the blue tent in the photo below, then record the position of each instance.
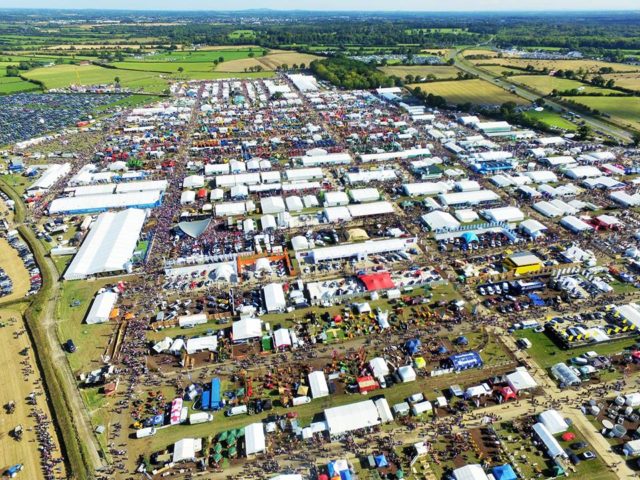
(206, 400)
(441, 350)
(461, 340)
(462, 361)
(412, 346)
(216, 401)
(469, 237)
(504, 472)
(381, 461)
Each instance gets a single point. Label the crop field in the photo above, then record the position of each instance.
(439, 71)
(546, 84)
(553, 119)
(625, 80)
(623, 110)
(61, 76)
(269, 62)
(477, 92)
(575, 65)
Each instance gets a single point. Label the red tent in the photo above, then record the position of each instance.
(568, 436)
(367, 384)
(507, 394)
(377, 281)
(202, 193)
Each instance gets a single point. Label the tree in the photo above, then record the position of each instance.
(635, 139)
(251, 55)
(180, 69)
(220, 59)
(117, 80)
(583, 132)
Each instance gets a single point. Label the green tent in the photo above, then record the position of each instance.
(399, 474)
(266, 343)
(217, 447)
(239, 432)
(233, 452)
(223, 436)
(217, 458)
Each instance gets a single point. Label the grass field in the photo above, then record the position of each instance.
(553, 119)
(269, 62)
(61, 76)
(625, 80)
(575, 65)
(477, 92)
(546, 84)
(546, 353)
(15, 85)
(15, 387)
(206, 56)
(622, 110)
(440, 72)
(90, 340)
(237, 34)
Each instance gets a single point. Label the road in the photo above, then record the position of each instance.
(593, 122)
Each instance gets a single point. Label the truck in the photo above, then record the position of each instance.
(238, 410)
(200, 417)
(145, 432)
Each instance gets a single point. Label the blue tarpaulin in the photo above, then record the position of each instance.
(462, 361)
(504, 472)
(412, 346)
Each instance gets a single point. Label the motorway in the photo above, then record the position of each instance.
(593, 122)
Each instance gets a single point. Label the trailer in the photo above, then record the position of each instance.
(145, 432)
(200, 417)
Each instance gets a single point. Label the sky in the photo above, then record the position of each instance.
(358, 5)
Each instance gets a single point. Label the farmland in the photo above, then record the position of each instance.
(622, 110)
(575, 65)
(475, 91)
(272, 61)
(61, 76)
(440, 72)
(207, 56)
(625, 80)
(545, 84)
(16, 388)
(10, 85)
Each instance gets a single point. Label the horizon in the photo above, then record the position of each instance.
(544, 7)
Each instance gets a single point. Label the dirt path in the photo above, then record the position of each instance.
(16, 386)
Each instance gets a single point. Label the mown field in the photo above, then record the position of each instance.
(623, 110)
(553, 119)
(625, 80)
(269, 62)
(546, 84)
(477, 92)
(501, 70)
(479, 51)
(575, 65)
(439, 71)
(10, 85)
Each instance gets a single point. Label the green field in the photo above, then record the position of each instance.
(439, 71)
(545, 84)
(501, 70)
(61, 76)
(164, 67)
(553, 119)
(546, 353)
(244, 34)
(15, 85)
(201, 56)
(622, 110)
(477, 92)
